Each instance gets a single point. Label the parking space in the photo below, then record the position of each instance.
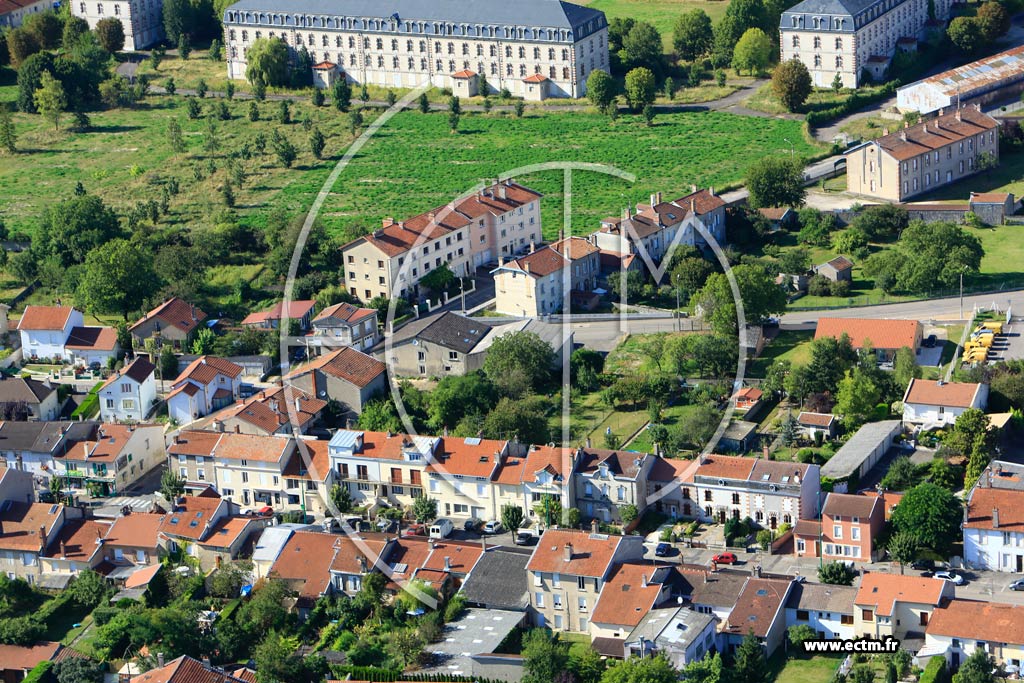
(1010, 345)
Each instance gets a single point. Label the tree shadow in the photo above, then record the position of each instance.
(112, 129)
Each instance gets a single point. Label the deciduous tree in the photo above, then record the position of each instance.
(600, 89)
(791, 83)
(776, 181)
(518, 362)
(268, 60)
(692, 34)
(110, 34)
(118, 277)
(640, 88)
(931, 515)
(753, 52)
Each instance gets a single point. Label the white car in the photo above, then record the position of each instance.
(952, 577)
(492, 527)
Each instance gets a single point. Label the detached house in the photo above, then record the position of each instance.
(130, 393)
(301, 312)
(23, 398)
(568, 572)
(437, 346)
(896, 605)
(935, 403)
(884, 337)
(205, 386)
(45, 329)
(272, 411)
(174, 321)
(345, 325)
(317, 564)
(346, 375)
(543, 281)
(848, 529)
(960, 627)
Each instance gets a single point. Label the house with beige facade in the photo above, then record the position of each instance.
(501, 220)
(920, 158)
(381, 466)
(345, 325)
(897, 605)
(534, 49)
(605, 480)
(172, 322)
(852, 37)
(960, 627)
(543, 281)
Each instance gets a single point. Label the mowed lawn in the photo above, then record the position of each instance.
(414, 163)
(788, 345)
(661, 13)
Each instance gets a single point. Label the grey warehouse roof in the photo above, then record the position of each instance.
(854, 452)
(496, 13)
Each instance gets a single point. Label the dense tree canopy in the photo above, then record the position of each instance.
(931, 515)
(761, 297)
(791, 83)
(519, 362)
(267, 61)
(70, 229)
(692, 34)
(776, 181)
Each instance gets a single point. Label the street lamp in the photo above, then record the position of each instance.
(791, 152)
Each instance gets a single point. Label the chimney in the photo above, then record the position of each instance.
(298, 405)
(431, 216)
(238, 429)
(501, 261)
(63, 550)
(401, 224)
(568, 552)
(497, 457)
(885, 131)
(995, 518)
(501, 192)
(362, 564)
(643, 580)
(958, 117)
(527, 266)
(206, 663)
(711, 191)
(693, 206)
(693, 188)
(85, 449)
(193, 308)
(655, 199)
(218, 426)
(903, 135)
(942, 111)
(588, 442)
(159, 658)
(447, 563)
(387, 222)
(42, 538)
(533, 246)
(757, 571)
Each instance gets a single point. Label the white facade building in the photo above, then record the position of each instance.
(934, 403)
(129, 395)
(994, 520)
(142, 19)
(44, 329)
(533, 48)
(769, 492)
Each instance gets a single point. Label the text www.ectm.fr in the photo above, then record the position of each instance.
(868, 645)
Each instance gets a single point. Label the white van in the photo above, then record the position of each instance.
(441, 528)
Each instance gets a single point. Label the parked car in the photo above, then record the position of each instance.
(384, 524)
(525, 538)
(1017, 585)
(952, 577)
(724, 558)
(415, 530)
(472, 524)
(663, 550)
(492, 527)
(923, 565)
(441, 528)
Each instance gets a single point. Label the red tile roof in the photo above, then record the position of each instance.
(311, 461)
(883, 591)
(308, 557)
(535, 78)
(78, 537)
(467, 457)
(270, 409)
(982, 503)
(345, 312)
(878, 334)
(19, 658)
(176, 313)
(556, 461)
(946, 394)
(725, 467)
(137, 530)
(993, 622)
(465, 73)
(252, 447)
(591, 554)
(849, 505)
(205, 369)
(185, 669)
(228, 530)
(143, 576)
(323, 66)
(540, 263)
(816, 419)
(192, 519)
(672, 469)
(624, 600)
(194, 442)
(757, 606)
(296, 311)
(989, 197)
(45, 317)
(936, 133)
(20, 524)
(462, 557)
(347, 364)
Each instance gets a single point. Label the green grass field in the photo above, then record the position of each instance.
(661, 13)
(791, 345)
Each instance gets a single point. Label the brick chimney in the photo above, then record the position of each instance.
(42, 538)
(568, 551)
(995, 518)
(655, 199)
(387, 222)
(643, 580)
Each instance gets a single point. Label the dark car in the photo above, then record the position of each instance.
(930, 341)
(525, 538)
(663, 550)
(923, 565)
(472, 524)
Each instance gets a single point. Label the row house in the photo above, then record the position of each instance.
(533, 49)
(107, 458)
(924, 157)
(769, 492)
(960, 627)
(605, 480)
(545, 280)
(345, 325)
(760, 609)
(655, 229)
(16, 485)
(848, 530)
(501, 220)
(896, 605)
(670, 488)
(129, 394)
(208, 528)
(299, 313)
(60, 333)
(632, 590)
(272, 411)
(350, 377)
(826, 608)
(460, 475)
(993, 526)
(173, 322)
(381, 466)
(77, 547)
(567, 574)
(207, 385)
(26, 530)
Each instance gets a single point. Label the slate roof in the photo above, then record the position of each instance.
(499, 580)
(15, 389)
(455, 332)
(98, 338)
(626, 464)
(822, 597)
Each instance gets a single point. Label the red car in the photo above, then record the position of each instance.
(724, 558)
(415, 530)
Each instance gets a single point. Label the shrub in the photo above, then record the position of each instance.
(936, 671)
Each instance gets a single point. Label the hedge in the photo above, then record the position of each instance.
(936, 671)
(42, 673)
(90, 404)
(854, 102)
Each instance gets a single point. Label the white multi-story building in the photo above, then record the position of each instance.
(13, 12)
(533, 48)
(849, 37)
(142, 19)
(129, 395)
(994, 520)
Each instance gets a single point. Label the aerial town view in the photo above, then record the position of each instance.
(553, 341)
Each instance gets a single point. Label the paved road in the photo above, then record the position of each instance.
(931, 309)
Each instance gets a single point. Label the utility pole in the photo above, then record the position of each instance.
(961, 294)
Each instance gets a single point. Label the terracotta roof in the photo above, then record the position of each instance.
(96, 338)
(725, 467)
(816, 419)
(185, 669)
(591, 553)
(467, 457)
(245, 673)
(637, 226)
(205, 369)
(273, 408)
(535, 78)
(79, 539)
(344, 312)
(192, 519)
(510, 471)
(20, 524)
(937, 393)
(194, 442)
(749, 393)
(227, 530)
(137, 371)
(385, 446)
(936, 133)
(397, 238)
(309, 557)
(540, 263)
(807, 527)
(672, 469)
(465, 73)
(176, 313)
(1009, 503)
(252, 447)
(989, 197)
(578, 247)
(848, 505)
(774, 213)
(993, 622)
(883, 591)
(757, 606)
(324, 66)
(296, 311)
(311, 461)
(45, 317)
(552, 459)
(348, 364)
(624, 599)
(462, 556)
(879, 334)
(19, 658)
(187, 388)
(143, 576)
(139, 530)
